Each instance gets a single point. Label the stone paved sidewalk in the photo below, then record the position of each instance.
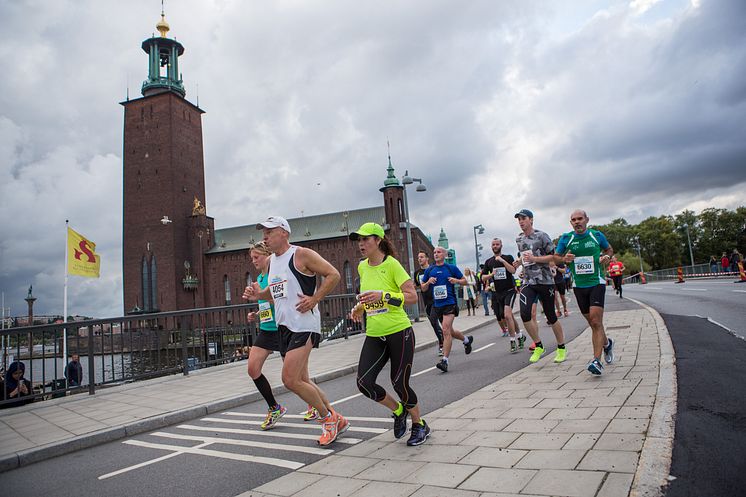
(546, 430)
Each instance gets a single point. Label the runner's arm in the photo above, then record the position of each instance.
(410, 293)
(312, 262)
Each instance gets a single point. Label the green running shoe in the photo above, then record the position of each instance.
(538, 352)
(513, 347)
(560, 355)
(273, 416)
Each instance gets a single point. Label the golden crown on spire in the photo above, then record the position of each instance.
(162, 26)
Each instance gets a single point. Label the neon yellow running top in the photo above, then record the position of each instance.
(383, 319)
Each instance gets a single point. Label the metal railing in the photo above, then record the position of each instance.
(671, 274)
(135, 347)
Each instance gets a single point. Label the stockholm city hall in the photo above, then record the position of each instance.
(173, 257)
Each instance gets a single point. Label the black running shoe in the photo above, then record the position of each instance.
(442, 365)
(400, 423)
(420, 432)
(521, 341)
(467, 345)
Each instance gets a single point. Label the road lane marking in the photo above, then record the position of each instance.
(272, 433)
(299, 416)
(694, 289)
(740, 291)
(198, 450)
(244, 443)
(145, 463)
(726, 328)
(423, 371)
(360, 429)
(346, 399)
(485, 347)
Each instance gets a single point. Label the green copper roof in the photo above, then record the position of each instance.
(390, 179)
(442, 239)
(308, 228)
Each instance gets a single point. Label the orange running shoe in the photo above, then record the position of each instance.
(329, 430)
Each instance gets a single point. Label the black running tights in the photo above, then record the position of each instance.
(399, 348)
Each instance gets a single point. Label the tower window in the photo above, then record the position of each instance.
(145, 285)
(348, 276)
(153, 284)
(227, 286)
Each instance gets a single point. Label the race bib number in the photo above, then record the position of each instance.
(584, 265)
(440, 292)
(500, 273)
(377, 307)
(265, 312)
(524, 254)
(278, 288)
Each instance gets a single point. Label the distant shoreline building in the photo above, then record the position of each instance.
(172, 256)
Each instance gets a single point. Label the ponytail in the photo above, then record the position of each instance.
(387, 247)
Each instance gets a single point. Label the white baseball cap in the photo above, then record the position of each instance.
(274, 222)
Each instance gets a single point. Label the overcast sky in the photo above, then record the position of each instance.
(626, 109)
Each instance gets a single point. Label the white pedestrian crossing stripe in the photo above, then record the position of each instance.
(284, 437)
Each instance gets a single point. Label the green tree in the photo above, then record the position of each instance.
(632, 262)
(688, 221)
(619, 233)
(659, 242)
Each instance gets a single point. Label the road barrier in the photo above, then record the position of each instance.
(679, 275)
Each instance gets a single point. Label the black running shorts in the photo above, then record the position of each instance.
(445, 310)
(268, 340)
(290, 340)
(592, 296)
(502, 300)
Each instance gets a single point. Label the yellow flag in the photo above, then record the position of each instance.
(81, 258)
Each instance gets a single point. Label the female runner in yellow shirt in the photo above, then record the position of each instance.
(385, 287)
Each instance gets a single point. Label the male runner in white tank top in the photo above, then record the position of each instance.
(292, 287)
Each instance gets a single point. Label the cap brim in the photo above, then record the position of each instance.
(354, 236)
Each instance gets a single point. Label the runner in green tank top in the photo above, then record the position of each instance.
(582, 250)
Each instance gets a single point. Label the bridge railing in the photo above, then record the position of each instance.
(135, 347)
(671, 274)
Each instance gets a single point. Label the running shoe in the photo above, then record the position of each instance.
(440, 351)
(442, 365)
(521, 341)
(566, 313)
(331, 427)
(311, 414)
(560, 355)
(467, 345)
(505, 333)
(532, 346)
(273, 416)
(595, 367)
(513, 346)
(420, 432)
(609, 352)
(538, 352)
(400, 423)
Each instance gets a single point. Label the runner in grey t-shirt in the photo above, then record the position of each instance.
(536, 251)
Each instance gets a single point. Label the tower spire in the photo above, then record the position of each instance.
(391, 179)
(163, 66)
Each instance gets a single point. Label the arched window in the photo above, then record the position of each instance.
(348, 277)
(227, 285)
(145, 285)
(401, 210)
(153, 284)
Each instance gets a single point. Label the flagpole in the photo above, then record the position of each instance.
(64, 302)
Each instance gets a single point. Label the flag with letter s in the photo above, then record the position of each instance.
(82, 259)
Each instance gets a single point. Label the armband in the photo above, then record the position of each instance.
(393, 298)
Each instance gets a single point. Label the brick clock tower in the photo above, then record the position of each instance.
(165, 227)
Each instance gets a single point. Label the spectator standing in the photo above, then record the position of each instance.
(734, 259)
(713, 264)
(74, 372)
(469, 292)
(486, 291)
(724, 262)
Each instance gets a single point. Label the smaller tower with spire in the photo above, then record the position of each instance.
(443, 242)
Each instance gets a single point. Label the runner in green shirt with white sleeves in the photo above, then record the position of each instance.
(582, 250)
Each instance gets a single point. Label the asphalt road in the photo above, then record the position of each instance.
(175, 462)
(720, 300)
(710, 438)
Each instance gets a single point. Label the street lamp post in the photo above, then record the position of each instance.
(408, 180)
(478, 228)
(639, 256)
(689, 240)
